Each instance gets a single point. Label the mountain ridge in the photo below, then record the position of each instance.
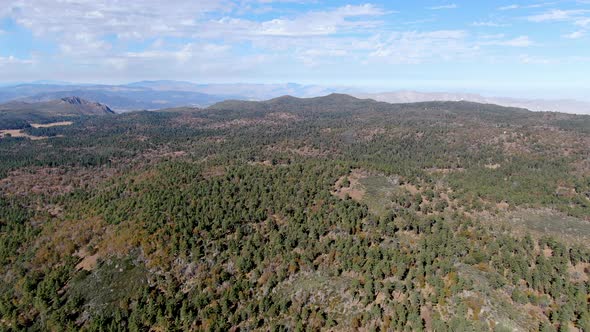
(157, 94)
(19, 114)
(537, 105)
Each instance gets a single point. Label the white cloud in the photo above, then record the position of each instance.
(174, 18)
(80, 31)
(419, 47)
(576, 17)
(316, 57)
(84, 44)
(489, 24)
(188, 61)
(494, 36)
(522, 41)
(534, 60)
(187, 52)
(12, 60)
(558, 15)
(94, 15)
(142, 19)
(283, 1)
(575, 35)
(441, 7)
(509, 7)
(535, 5)
(315, 23)
(320, 23)
(186, 38)
(361, 10)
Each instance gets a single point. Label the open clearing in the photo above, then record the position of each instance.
(372, 189)
(540, 222)
(21, 133)
(550, 222)
(52, 124)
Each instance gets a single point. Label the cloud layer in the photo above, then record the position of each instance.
(264, 39)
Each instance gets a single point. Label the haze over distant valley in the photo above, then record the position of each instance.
(152, 95)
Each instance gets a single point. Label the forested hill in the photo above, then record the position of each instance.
(322, 214)
(332, 102)
(18, 114)
(446, 111)
(337, 103)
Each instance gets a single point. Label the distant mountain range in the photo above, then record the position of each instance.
(540, 105)
(243, 90)
(151, 95)
(120, 98)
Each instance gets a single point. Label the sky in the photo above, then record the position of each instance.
(502, 47)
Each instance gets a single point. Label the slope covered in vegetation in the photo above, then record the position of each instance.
(329, 213)
(18, 114)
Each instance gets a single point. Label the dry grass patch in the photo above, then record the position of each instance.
(189, 120)
(53, 180)
(19, 133)
(238, 123)
(412, 189)
(307, 151)
(284, 116)
(175, 154)
(213, 172)
(538, 223)
(53, 124)
(60, 239)
(4, 133)
(267, 163)
(436, 170)
(350, 186)
(370, 133)
(579, 273)
(304, 151)
(89, 261)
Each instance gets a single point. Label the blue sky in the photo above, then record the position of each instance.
(517, 48)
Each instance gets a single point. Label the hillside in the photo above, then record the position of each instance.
(15, 115)
(539, 105)
(345, 105)
(293, 214)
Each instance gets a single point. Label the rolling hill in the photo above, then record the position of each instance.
(15, 115)
(539, 105)
(153, 95)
